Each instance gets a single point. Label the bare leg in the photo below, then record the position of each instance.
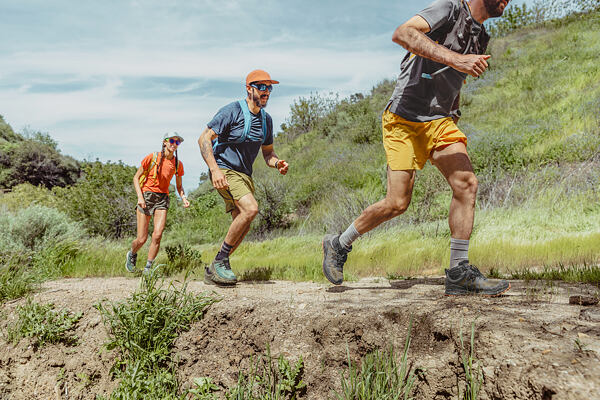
(243, 215)
(454, 163)
(143, 221)
(160, 219)
(399, 193)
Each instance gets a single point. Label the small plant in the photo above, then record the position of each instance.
(181, 258)
(44, 324)
(203, 389)
(143, 329)
(270, 379)
(257, 274)
(380, 377)
(471, 367)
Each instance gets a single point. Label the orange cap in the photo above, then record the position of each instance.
(258, 75)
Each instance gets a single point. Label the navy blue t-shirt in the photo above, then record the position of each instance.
(228, 124)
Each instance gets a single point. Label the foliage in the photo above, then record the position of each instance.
(34, 159)
(517, 16)
(35, 228)
(25, 195)
(143, 329)
(44, 324)
(380, 377)
(103, 200)
(16, 280)
(182, 257)
(307, 112)
(270, 379)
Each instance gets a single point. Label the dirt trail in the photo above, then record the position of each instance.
(526, 340)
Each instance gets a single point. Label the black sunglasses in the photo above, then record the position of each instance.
(262, 86)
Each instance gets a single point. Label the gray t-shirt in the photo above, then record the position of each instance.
(228, 124)
(417, 98)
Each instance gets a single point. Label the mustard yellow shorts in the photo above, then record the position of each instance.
(408, 145)
(239, 185)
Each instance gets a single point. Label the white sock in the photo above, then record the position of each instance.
(459, 251)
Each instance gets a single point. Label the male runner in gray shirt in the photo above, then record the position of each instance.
(446, 41)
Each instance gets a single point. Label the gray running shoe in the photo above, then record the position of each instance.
(334, 258)
(130, 261)
(467, 279)
(219, 273)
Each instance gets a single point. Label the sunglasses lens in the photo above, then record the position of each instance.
(177, 142)
(263, 86)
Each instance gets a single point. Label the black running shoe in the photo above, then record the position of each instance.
(334, 258)
(467, 279)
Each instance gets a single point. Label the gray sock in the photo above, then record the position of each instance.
(149, 264)
(459, 251)
(349, 236)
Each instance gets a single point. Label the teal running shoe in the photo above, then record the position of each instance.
(130, 261)
(219, 273)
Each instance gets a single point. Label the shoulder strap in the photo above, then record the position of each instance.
(263, 116)
(247, 118)
(247, 123)
(153, 163)
(146, 173)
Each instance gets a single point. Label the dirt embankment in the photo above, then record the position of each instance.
(532, 344)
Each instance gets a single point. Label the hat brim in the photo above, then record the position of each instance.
(271, 81)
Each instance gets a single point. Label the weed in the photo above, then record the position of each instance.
(380, 377)
(181, 257)
(143, 328)
(270, 379)
(257, 274)
(203, 389)
(44, 324)
(579, 346)
(471, 368)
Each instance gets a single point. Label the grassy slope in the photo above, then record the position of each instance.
(542, 96)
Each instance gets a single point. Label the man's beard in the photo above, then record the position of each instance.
(493, 8)
(256, 100)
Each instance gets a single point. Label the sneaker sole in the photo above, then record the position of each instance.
(329, 278)
(210, 281)
(470, 293)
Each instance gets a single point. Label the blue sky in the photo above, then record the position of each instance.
(108, 79)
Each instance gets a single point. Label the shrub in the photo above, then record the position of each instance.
(16, 280)
(35, 228)
(103, 200)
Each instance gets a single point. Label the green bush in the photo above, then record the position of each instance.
(35, 228)
(36, 160)
(25, 195)
(103, 200)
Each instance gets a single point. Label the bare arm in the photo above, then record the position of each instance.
(411, 36)
(179, 183)
(273, 161)
(138, 189)
(219, 180)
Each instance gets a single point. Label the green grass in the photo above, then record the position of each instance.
(380, 376)
(471, 367)
(143, 329)
(43, 324)
(15, 280)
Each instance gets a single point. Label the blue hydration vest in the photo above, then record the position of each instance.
(247, 123)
